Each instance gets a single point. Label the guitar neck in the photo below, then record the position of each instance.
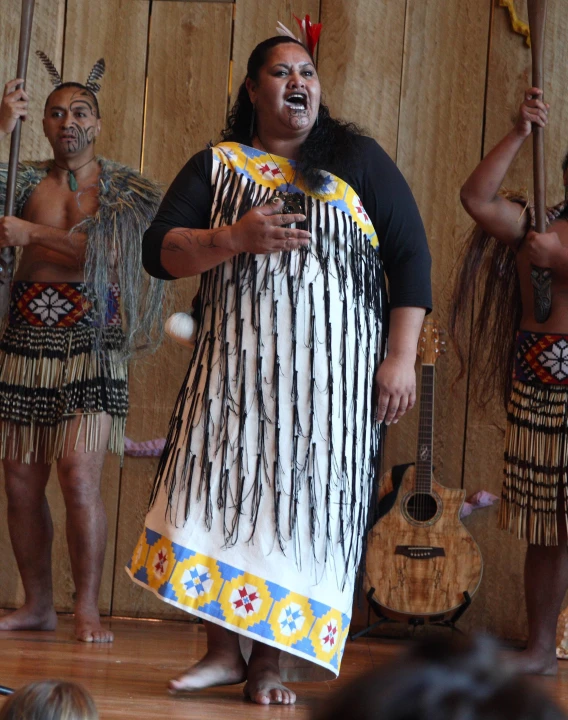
(423, 482)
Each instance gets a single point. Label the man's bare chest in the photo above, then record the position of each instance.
(57, 206)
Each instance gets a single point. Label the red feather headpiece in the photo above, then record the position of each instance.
(310, 33)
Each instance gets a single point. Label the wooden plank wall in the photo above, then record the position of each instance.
(435, 83)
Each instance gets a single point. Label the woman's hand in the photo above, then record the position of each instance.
(395, 387)
(14, 105)
(260, 231)
(533, 110)
(395, 381)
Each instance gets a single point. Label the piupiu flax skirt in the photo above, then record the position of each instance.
(54, 366)
(536, 443)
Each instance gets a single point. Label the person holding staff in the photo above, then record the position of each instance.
(80, 305)
(525, 361)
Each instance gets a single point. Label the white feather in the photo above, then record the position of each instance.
(283, 30)
(304, 38)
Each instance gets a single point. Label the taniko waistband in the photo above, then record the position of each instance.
(541, 358)
(59, 304)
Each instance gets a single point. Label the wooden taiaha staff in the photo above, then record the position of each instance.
(541, 278)
(7, 254)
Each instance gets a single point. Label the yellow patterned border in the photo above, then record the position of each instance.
(240, 600)
(278, 173)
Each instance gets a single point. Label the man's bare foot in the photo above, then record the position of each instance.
(264, 685)
(27, 618)
(215, 669)
(531, 662)
(88, 627)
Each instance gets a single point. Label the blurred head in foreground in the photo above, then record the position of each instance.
(443, 679)
(50, 700)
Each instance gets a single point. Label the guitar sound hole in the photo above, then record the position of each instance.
(421, 507)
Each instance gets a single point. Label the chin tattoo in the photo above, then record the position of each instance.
(298, 118)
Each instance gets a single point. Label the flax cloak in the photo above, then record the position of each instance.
(127, 204)
(70, 381)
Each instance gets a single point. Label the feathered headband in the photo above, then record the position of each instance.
(96, 73)
(309, 32)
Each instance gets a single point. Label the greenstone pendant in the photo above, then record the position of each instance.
(73, 186)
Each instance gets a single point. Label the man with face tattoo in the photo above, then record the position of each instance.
(80, 305)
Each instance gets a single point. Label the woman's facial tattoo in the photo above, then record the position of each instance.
(289, 88)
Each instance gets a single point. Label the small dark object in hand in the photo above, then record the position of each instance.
(293, 202)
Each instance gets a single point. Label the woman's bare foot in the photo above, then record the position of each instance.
(88, 627)
(28, 618)
(532, 662)
(216, 668)
(264, 684)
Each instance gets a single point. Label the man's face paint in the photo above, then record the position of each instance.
(70, 122)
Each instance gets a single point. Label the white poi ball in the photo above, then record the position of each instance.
(181, 328)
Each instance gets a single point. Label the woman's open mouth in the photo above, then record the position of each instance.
(296, 101)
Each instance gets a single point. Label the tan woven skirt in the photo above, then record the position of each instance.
(536, 445)
(56, 367)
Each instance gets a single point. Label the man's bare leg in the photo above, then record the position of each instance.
(223, 663)
(80, 479)
(264, 684)
(31, 533)
(546, 583)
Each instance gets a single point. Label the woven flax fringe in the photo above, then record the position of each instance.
(49, 438)
(536, 462)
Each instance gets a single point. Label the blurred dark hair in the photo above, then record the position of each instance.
(331, 145)
(487, 273)
(50, 700)
(443, 679)
(75, 85)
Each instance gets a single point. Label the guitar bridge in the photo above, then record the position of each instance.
(420, 552)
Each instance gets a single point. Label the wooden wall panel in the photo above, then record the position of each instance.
(116, 30)
(188, 69)
(255, 21)
(509, 75)
(360, 64)
(439, 142)
(47, 35)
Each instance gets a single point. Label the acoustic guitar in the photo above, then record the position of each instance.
(422, 564)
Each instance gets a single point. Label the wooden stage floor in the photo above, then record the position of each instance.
(128, 678)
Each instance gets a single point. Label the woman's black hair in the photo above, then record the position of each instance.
(331, 145)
